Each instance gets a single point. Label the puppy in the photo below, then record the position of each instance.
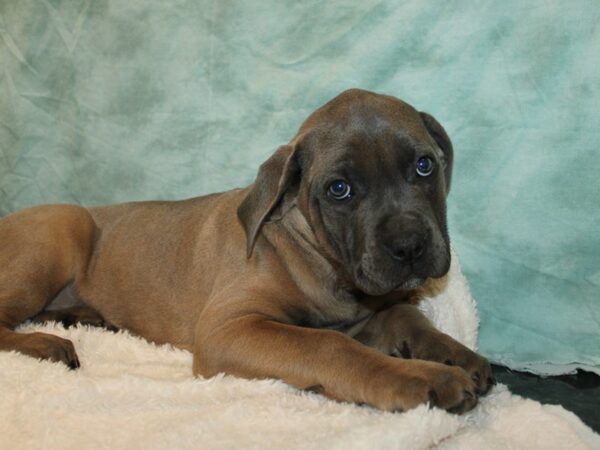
(309, 275)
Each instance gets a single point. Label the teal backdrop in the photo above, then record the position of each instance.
(106, 101)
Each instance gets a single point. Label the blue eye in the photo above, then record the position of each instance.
(340, 190)
(424, 166)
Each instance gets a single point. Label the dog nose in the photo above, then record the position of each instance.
(405, 238)
(407, 248)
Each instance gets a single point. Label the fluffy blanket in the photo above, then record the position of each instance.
(131, 394)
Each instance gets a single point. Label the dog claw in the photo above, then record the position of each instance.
(433, 397)
(469, 402)
(74, 364)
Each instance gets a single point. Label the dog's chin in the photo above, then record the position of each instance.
(375, 287)
(410, 284)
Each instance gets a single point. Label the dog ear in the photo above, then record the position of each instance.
(438, 133)
(274, 177)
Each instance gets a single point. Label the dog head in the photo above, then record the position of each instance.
(371, 175)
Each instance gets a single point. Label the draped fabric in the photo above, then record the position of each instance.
(105, 101)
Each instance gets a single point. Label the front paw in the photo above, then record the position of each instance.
(412, 383)
(439, 347)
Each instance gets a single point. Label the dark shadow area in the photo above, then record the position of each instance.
(579, 393)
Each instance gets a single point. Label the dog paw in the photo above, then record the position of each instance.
(442, 348)
(418, 382)
(50, 347)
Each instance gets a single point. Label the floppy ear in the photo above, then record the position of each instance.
(438, 133)
(275, 175)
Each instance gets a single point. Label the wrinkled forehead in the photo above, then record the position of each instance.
(373, 144)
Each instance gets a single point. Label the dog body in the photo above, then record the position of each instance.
(308, 275)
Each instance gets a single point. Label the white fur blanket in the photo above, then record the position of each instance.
(130, 394)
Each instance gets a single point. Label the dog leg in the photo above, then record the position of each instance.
(330, 362)
(403, 331)
(16, 307)
(41, 250)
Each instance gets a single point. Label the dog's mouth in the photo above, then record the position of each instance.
(374, 285)
(375, 273)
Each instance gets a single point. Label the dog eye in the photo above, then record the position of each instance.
(424, 166)
(340, 190)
